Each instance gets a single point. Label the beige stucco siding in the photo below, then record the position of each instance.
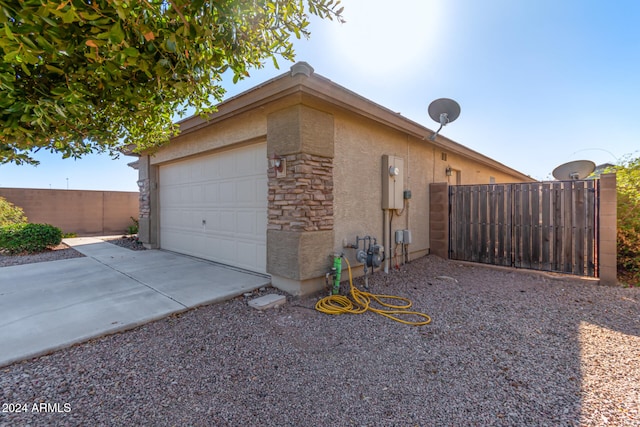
(359, 146)
(246, 127)
(471, 171)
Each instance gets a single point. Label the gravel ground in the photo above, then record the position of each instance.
(505, 348)
(129, 242)
(59, 252)
(63, 251)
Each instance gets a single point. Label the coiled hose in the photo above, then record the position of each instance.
(360, 302)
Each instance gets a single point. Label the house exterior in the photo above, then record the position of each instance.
(287, 174)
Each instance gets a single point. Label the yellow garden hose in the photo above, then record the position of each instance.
(360, 302)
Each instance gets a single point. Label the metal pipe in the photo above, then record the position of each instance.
(385, 240)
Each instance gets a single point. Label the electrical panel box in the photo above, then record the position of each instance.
(392, 182)
(406, 237)
(399, 237)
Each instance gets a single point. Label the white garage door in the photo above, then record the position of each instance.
(215, 207)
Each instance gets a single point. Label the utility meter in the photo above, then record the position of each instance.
(372, 257)
(375, 256)
(392, 182)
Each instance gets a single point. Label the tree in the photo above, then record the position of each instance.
(628, 227)
(10, 213)
(81, 76)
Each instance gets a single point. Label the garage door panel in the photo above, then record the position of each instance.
(212, 219)
(246, 191)
(212, 193)
(220, 249)
(197, 193)
(227, 222)
(261, 223)
(212, 170)
(261, 196)
(191, 246)
(247, 253)
(226, 166)
(247, 164)
(246, 223)
(228, 191)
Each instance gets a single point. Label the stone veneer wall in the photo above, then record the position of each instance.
(144, 198)
(303, 199)
(147, 203)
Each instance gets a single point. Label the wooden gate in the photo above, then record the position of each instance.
(550, 226)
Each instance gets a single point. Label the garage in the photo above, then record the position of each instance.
(215, 207)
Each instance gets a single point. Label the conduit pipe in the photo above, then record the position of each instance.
(385, 239)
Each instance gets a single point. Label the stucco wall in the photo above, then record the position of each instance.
(245, 127)
(359, 146)
(470, 172)
(83, 212)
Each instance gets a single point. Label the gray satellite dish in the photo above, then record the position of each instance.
(578, 169)
(443, 111)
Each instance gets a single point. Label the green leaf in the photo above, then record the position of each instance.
(59, 91)
(83, 76)
(171, 43)
(69, 16)
(116, 35)
(10, 56)
(54, 69)
(131, 51)
(89, 16)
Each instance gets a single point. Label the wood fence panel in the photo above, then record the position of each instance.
(567, 231)
(526, 227)
(474, 245)
(502, 229)
(536, 240)
(516, 226)
(483, 207)
(578, 229)
(493, 225)
(547, 227)
(592, 229)
(557, 227)
(543, 226)
(508, 216)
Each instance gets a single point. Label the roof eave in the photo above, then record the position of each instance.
(318, 87)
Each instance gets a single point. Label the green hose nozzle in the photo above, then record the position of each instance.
(337, 267)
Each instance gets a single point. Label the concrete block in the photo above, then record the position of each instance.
(268, 301)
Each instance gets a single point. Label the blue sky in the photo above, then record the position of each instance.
(539, 82)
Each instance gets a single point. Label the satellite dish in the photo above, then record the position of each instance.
(443, 111)
(578, 169)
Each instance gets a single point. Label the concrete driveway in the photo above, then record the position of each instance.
(50, 305)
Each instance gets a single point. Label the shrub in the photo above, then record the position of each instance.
(628, 193)
(133, 228)
(30, 238)
(10, 213)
